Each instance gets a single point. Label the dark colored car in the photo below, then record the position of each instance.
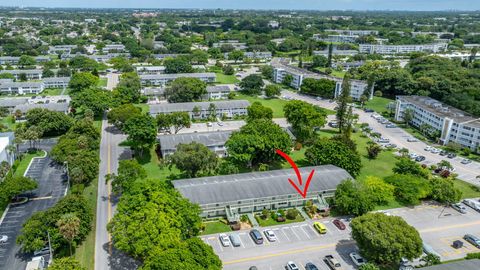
(368, 110)
(256, 236)
(311, 266)
(472, 239)
(443, 153)
(340, 225)
(420, 158)
(451, 155)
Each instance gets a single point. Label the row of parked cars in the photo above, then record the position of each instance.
(331, 261)
(472, 203)
(380, 119)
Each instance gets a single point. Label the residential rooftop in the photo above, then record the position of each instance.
(188, 106)
(170, 142)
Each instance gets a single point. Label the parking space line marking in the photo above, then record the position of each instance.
(286, 236)
(289, 252)
(306, 234)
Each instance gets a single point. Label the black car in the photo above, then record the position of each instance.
(451, 155)
(256, 236)
(310, 266)
(368, 110)
(420, 158)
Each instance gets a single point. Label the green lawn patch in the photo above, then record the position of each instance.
(9, 122)
(271, 222)
(212, 227)
(226, 79)
(275, 104)
(85, 252)
(155, 169)
(378, 104)
(102, 82)
(25, 161)
(52, 92)
(335, 73)
(145, 108)
(468, 190)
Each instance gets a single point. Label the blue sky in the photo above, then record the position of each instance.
(255, 4)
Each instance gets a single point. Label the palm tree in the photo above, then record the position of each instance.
(69, 227)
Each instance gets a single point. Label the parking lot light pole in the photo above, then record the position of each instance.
(68, 176)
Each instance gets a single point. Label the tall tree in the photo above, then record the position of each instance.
(69, 227)
(352, 199)
(304, 118)
(141, 131)
(185, 90)
(258, 111)
(252, 84)
(343, 101)
(66, 263)
(386, 239)
(194, 159)
(81, 81)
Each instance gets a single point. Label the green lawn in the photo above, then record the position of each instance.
(155, 169)
(212, 227)
(275, 104)
(226, 79)
(145, 108)
(85, 252)
(378, 104)
(271, 222)
(102, 82)
(26, 159)
(9, 122)
(52, 91)
(468, 190)
(335, 73)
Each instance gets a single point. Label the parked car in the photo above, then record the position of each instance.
(459, 207)
(412, 140)
(333, 124)
(292, 266)
(428, 148)
(368, 110)
(413, 155)
(472, 239)
(220, 123)
(235, 240)
(466, 161)
(383, 140)
(357, 259)
(209, 124)
(320, 227)
(40, 252)
(310, 266)
(451, 155)
(256, 236)
(332, 262)
(443, 153)
(340, 225)
(3, 239)
(420, 158)
(434, 151)
(270, 235)
(224, 240)
(472, 203)
(391, 126)
(390, 145)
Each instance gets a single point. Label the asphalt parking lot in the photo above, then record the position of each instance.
(51, 180)
(298, 242)
(439, 227)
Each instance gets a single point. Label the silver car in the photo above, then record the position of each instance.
(3, 239)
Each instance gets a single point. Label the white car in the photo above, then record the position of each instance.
(3, 239)
(224, 240)
(292, 266)
(434, 151)
(357, 259)
(413, 155)
(270, 235)
(466, 161)
(412, 140)
(428, 148)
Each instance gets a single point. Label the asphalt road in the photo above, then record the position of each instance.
(399, 137)
(106, 256)
(52, 183)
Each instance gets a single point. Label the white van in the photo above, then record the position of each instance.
(37, 263)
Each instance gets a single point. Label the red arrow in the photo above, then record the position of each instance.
(303, 192)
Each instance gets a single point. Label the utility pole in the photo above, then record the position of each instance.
(50, 260)
(68, 177)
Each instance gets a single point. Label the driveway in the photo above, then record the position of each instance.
(52, 185)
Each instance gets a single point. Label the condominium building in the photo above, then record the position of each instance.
(353, 32)
(215, 141)
(336, 38)
(31, 74)
(400, 49)
(234, 43)
(113, 48)
(13, 60)
(56, 82)
(163, 79)
(21, 88)
(281, 69)
(217, 92)
(202, 110)
(61, 49)
(233, 195)
(149, 70)
(452, 124)
(336, 52)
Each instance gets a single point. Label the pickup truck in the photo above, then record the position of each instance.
(332, 262)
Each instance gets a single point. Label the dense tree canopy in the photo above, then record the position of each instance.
(185, 90)
(322, 87)
(194, 159)
(141, 131)
(82, 80)
(304, 118)
(386, 239)
(120, 115)
(52, 123)
(252, 84)
(258, 111)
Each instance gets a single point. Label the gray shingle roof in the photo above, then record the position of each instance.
(238, 187)
(170, 142)
(56, 79)
(188, 106)
(20, 71)
(59, 107)
(218, 88)
(12, 102)
(464, 265)
(177, 75)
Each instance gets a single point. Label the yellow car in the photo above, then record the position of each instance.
(320, 227)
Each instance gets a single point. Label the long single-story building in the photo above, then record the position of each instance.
(217, 92)
(215, 141)
(163, 79)
(150, 70)
(13, 60)
(232, 195)
(56, 82)
(201, 110)
(58, 107)
(20, 88)
(31, 74)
